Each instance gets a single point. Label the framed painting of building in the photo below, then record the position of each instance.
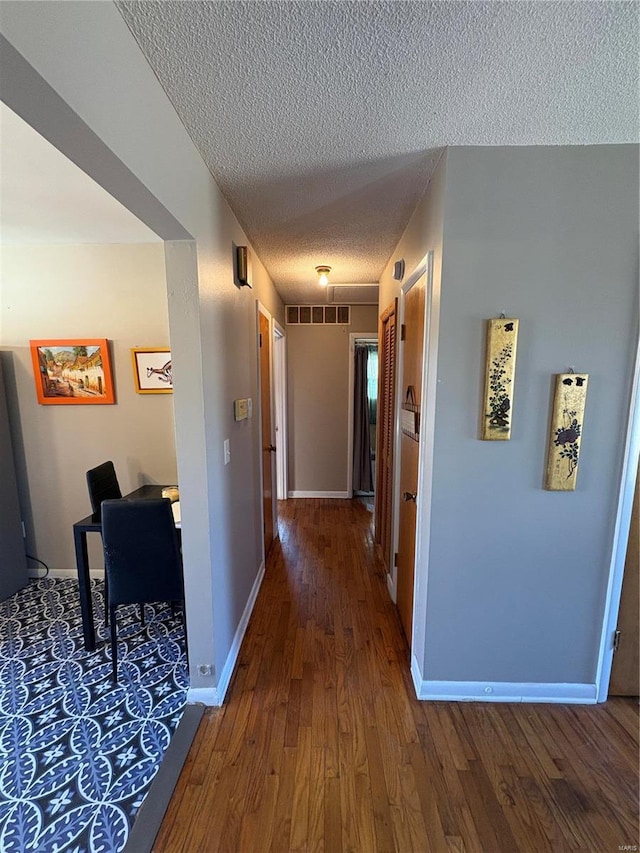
(72, 371)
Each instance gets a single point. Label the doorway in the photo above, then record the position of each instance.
(415, 420)
(268, 448)
(280, 410)
(386, 437)
(363, 407)
(412, 369)
(625, 680)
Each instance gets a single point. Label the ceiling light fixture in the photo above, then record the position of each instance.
(323, 275)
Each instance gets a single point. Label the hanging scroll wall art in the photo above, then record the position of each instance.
(566, 431)
(502, 340)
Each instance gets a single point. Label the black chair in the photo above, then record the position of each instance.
(103, 486)
(142, 557)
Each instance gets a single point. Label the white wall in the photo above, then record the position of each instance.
(125, 134)
(116, 292)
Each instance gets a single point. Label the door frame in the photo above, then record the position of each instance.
(388, 357)
(280, 399)
(620, 536)
(260, 309)
(425, 456)
(372, 338)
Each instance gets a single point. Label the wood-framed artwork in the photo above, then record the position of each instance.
(502, 340)
(567, 421)
(72, 371)
(152, 370)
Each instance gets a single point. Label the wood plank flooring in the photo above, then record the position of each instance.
(322, 746)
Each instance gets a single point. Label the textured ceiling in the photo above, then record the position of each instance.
(322, 121)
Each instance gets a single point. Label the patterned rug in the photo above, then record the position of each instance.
(78, 753)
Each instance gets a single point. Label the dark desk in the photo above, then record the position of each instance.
(93, 524)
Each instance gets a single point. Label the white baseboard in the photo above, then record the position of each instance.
(205, 695)
(215, 695)
(65, 573)
(501, 691)
(303, 494)
(391, 587)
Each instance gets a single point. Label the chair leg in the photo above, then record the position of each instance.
(106, 600)
(114, 646)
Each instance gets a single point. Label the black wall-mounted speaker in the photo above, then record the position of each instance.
(243, 266)
(398, 270)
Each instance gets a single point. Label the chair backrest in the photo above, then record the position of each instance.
(141, 551)
(103, 485)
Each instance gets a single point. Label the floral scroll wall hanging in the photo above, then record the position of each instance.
(566, 431)
(502, 339)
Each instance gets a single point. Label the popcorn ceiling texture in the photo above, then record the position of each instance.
(323, 121)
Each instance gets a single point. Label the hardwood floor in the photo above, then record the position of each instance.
(322, 746)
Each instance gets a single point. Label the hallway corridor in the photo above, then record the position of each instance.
(321, 744)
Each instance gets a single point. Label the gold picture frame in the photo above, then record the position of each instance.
(502, 341)
(152, 370)
(566, 431)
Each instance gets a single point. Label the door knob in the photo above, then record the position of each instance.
(410, 496)
(271, 448)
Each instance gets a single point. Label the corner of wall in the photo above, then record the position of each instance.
(501, 691)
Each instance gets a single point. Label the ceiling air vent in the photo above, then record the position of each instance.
(352, 294)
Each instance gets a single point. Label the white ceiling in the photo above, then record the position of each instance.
(322, 121)
(47, 199)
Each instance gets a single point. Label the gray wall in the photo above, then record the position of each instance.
(517, 574)
(118, 292)
(127, 136)
(423, 234)
(318, 365)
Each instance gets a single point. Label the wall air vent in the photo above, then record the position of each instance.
(318, 315)
(352, 294)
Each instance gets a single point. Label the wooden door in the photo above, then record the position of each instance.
(265, 413)
(625, 675)
(413, 353)
(386, 419)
